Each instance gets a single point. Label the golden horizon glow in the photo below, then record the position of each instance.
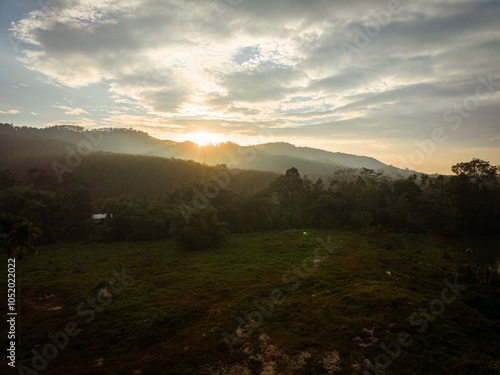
(206, 139)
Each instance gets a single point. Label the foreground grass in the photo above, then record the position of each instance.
(172, 316)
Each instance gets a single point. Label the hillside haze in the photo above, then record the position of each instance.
(273, 157)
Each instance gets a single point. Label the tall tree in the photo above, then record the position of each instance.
(477, 170)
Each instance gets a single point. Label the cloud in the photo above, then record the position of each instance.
(71, 111)
(10, 112)
(279, 64)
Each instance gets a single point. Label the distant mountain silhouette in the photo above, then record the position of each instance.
(274, 157)
(334, 158)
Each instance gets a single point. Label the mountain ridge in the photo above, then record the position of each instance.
(273, 157)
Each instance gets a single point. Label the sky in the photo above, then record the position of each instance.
(415, 84)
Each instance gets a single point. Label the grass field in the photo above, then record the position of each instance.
(176, 311)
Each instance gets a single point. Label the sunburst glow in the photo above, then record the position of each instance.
(205, 139)
(225, 71)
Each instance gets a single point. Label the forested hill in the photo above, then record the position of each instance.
(44, 160)
(58, 177)
(272, 157)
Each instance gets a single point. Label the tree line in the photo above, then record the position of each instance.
(198, 213)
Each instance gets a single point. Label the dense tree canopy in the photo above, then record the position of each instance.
(198, 212)
(478, 170)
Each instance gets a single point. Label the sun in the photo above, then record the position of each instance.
(205, 139)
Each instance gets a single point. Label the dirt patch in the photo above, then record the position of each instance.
(331, 362)
(104, 292)
(272, 358)
(369, 341)
(47, 302)
(99, 362)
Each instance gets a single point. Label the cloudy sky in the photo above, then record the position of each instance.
(412, 83)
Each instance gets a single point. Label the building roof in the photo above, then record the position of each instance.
(100, 216)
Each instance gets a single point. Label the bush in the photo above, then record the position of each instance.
(386, 239)
(378, 232)
(479, 275)
(360, 219)
(204, 229)
(395, 242)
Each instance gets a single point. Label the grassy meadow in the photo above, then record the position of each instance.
(174, 315)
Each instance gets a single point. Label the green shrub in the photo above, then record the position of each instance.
(360, 219)
(204, 229)
(394, 242)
